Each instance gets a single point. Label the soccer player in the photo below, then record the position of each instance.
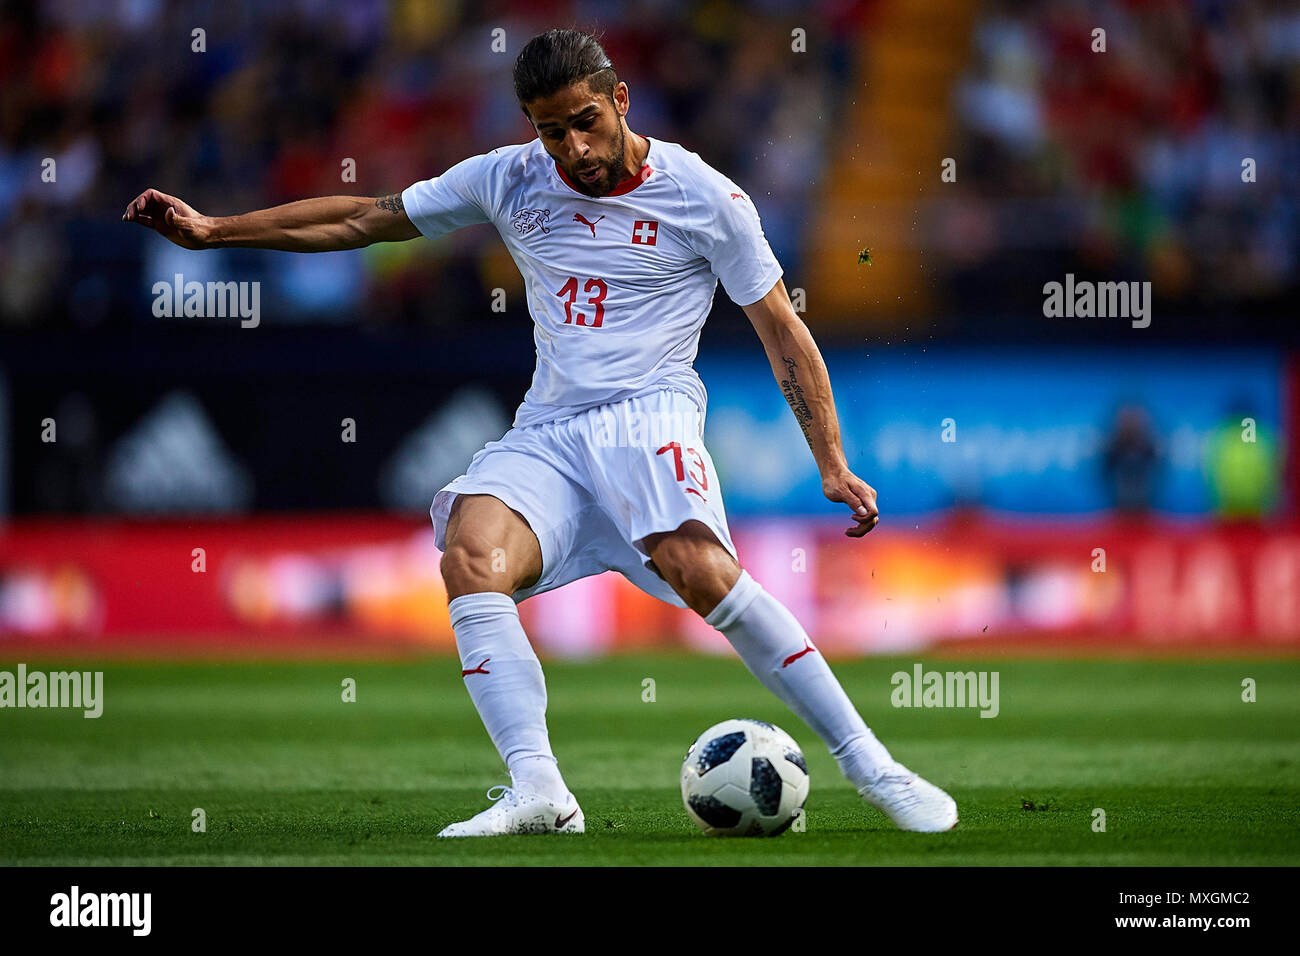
(621, 240)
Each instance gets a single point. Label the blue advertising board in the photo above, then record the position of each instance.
(1011, 431)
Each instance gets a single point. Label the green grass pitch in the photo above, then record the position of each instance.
(288, 773)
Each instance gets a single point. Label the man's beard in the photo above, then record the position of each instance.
(613, 168)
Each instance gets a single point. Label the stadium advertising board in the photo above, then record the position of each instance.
(360, 582)
(1028, 432)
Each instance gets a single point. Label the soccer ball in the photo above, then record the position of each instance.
(744, 778)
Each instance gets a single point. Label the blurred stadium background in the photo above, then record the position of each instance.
(1104, 488)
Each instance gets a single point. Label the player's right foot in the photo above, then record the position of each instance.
(911, 802)
(518, 811)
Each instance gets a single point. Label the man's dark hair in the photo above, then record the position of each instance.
(553, 60)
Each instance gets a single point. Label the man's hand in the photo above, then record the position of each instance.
(848, 488)
(170, 218)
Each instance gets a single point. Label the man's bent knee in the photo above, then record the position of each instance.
(490, 547)
(695, 564)
(468, 570)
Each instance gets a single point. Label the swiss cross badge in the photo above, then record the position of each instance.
(645, 232)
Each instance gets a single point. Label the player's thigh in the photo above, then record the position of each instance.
(489, 547)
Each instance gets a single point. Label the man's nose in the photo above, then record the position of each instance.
(578, 145)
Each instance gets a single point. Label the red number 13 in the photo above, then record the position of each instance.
(570, 290)
(702, 479)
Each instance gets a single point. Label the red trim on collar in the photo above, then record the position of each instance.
(626, 186)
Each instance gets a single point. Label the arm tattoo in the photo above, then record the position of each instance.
(793, 392)
(391, 203)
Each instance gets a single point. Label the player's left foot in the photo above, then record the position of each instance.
(910, 801)
(518, 811)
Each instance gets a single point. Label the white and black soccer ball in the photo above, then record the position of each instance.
(744, 778)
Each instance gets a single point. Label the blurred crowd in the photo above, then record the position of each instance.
(1241, 460)
(1126, 164)
(281, 95)
(1163, 148)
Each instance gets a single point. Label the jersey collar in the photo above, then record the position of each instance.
(626, 186)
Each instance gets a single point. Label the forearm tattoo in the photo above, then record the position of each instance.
(793, 392)
(391, 203)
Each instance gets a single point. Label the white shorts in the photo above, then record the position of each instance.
(593, 486)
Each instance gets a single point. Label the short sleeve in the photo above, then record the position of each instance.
(729, 234)
(455, 199)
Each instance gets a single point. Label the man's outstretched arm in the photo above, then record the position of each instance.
(324, 224)
(801, 373)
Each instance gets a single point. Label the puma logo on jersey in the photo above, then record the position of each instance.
(477, 670)
(579, 217)
(737, 195)
(526, 220)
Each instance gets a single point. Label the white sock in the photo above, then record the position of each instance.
(777, 651)
(504, 680)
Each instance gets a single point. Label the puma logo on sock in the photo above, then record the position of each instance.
(807, 649)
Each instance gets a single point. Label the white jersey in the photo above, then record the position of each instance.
(618, 287)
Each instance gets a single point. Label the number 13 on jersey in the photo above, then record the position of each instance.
(595, 291)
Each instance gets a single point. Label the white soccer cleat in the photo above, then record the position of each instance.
(517, 811)
(911, 802)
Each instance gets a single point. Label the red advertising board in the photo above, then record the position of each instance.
(363, 582)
